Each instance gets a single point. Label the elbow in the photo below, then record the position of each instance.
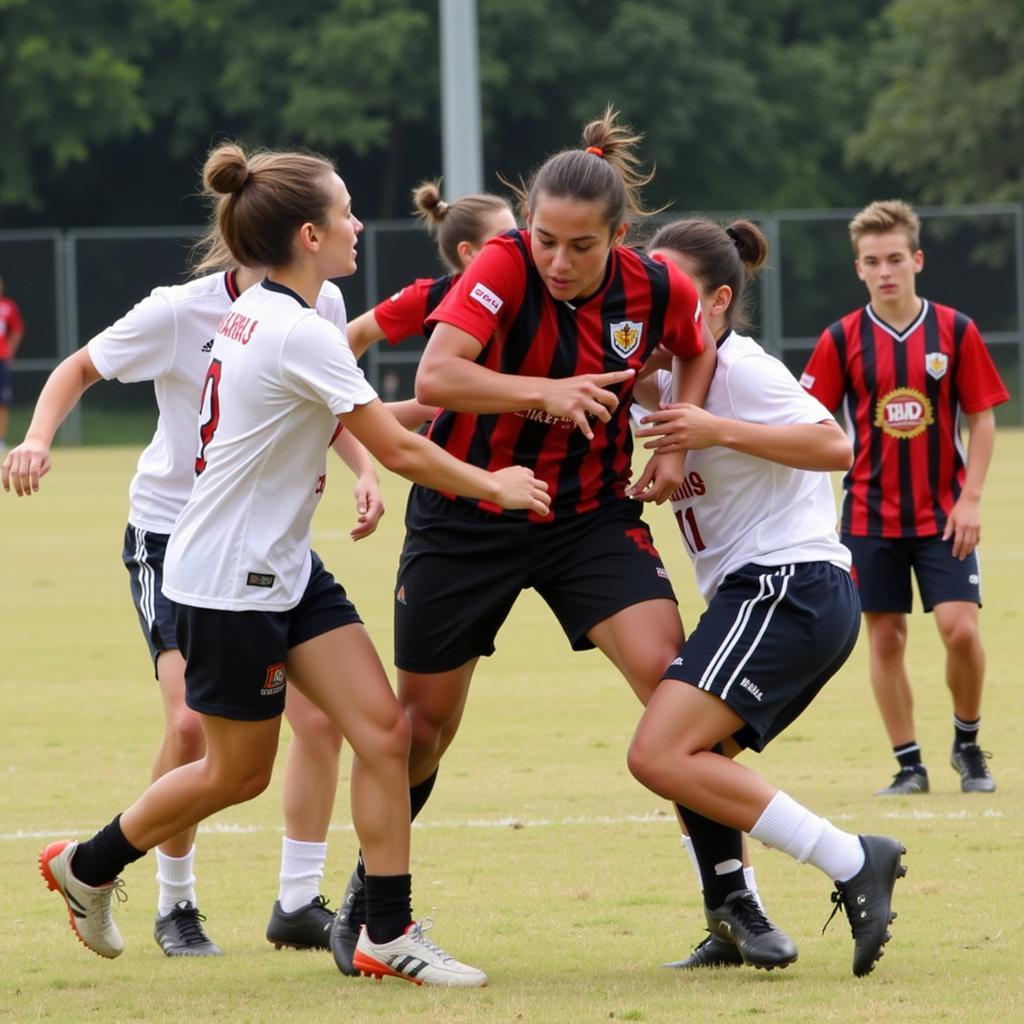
(843, 457)
(397, 458)
(428, 389)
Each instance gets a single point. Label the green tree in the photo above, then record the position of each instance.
(948, 113)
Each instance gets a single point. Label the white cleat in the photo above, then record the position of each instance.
(415, 958)
(88, 906)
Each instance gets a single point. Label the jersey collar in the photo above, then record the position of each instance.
(273, 286)
(890, 330)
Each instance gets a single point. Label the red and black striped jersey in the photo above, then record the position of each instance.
(403, 315)
(902, 394)
(501, 300)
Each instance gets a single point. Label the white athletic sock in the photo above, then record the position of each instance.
(751, 881)
(792, 828)
(176, 880)
(302, 867)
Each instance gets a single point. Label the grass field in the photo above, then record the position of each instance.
(540, 858)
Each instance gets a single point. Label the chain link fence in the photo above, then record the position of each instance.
(70, 285)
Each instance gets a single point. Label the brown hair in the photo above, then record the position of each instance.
(722, 255)
(259, 202)
(883, 216)
(452, 223)
(606, 170)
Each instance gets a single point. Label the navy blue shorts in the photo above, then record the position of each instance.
(769, 641)
(143, 557)
(462, 569)
(6, 385)
(882, 567)
(235, 661)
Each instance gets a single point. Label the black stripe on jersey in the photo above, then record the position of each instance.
(960, 323)
(932, 344)
(869, 368)
(231, 284)
(907, 506)
(438, 289)
(613, 306)
(838, 336)
(576, 446)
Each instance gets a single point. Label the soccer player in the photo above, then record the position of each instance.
(12, 330)
(167, 338)
(532, 361)
(253, 606)
(906, 370)
(460, 228)
(757, 518)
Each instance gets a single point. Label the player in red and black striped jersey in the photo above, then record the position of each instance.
(461, 228)
(907, 371)
(532, 360)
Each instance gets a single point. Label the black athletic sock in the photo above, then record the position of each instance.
(420, 794)
(388, 906)
(719, 852)
(965, 732)
(908, 755)
(101, 859)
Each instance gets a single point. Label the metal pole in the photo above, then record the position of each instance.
(460, 99)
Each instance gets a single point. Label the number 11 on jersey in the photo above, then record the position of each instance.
(688, 528)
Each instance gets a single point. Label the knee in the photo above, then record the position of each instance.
(960, 635)
(889, 639)
(318, 734)
(645, 765)
(245, 782)
(427, 726)
(185, 732)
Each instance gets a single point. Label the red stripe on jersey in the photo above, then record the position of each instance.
(903, 392)
(231, 284)
(403, 315)
(502, 301)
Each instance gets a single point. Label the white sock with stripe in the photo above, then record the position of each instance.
(176, 879)
(302, 867)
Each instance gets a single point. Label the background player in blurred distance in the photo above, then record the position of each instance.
(12, 330)
(906, 370)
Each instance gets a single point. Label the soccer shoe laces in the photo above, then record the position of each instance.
(748, 914)
(838, 900)
(974, 760)
(416, 934)
(189, 922)
(106, 905)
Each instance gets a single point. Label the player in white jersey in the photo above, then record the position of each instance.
(757, 516)
(166, 338)
(255, 610)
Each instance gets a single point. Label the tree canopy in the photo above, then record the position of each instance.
(110, 105)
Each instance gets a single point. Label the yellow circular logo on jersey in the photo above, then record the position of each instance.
(904, 413)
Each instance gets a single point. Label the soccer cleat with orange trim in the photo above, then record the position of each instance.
(88, 905)
(413, 957)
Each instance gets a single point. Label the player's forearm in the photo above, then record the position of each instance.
(821, 447)
(980, 445)
(691, 377)
(60, 394)
(353, 453)
(459, 384)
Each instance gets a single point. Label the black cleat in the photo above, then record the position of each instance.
(308, 927)
(346, 925)
(907, 782)
(867, 900)
(180, 933)
(711, 952)
(972, 764)
(741, 920)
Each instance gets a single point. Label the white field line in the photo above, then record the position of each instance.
(657, 817)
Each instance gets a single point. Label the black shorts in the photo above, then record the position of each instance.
(235, 661)
(462, 569)
(882, 567)
(143, 557)
(769, 641)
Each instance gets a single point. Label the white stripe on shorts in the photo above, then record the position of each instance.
(766, 590)
(147, 578)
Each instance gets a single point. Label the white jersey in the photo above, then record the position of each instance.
(734, 508)
(278, 378)
(167, 339)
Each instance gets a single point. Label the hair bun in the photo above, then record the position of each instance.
(227, 170)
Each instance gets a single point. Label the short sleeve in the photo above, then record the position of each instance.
(140, 346)
(330, 304)
(683, 334)
(401, 315)
(824, 376)
(762, 390)
(978, 384)
(318, 365)
(489, 293)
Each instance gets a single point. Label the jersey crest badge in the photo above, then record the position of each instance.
(904, 413)
(626, 335)
(936, 363)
